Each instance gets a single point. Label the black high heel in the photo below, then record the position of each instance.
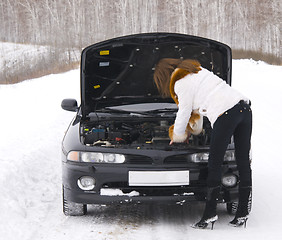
(209, 215)
(239, 221)
(203, 223)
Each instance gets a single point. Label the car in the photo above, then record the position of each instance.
(116, 149)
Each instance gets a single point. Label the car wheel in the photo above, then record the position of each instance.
(232, 206)
(73, 209)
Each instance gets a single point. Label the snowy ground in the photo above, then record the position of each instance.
(32, 125)
(13, 53)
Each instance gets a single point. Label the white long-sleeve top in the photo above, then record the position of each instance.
(206, 92)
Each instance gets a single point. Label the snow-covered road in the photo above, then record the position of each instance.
(32, 125)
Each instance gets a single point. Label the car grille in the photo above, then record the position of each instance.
(176, 159)
(138, 159)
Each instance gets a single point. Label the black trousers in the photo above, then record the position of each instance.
(237, 121)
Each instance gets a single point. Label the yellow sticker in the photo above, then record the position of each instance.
(105, 52)
(97, 86)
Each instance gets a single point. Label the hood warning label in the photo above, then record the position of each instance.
(105, 52)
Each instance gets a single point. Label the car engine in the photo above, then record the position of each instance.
(129, 133)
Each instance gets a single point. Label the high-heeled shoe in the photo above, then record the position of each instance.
(209, 215)
(239, 221)
(242, 213)
(203, 223)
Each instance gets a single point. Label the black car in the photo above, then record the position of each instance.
(116, 148)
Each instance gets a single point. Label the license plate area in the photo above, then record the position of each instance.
(158, 178)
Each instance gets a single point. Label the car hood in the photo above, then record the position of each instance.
(120, 70)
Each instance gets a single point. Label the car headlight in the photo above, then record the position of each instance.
(95, 157)
(199, 157)
(204, 156)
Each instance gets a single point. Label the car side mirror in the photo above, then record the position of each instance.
(69, 104)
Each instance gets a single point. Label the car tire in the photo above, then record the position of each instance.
(72, 208)
(232, 206)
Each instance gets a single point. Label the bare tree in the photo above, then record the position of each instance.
(67, 25)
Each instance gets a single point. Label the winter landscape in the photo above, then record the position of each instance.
(46, 36)
(32, 127)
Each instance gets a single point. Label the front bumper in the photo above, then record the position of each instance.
(115, 177)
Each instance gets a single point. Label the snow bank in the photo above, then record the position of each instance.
(33, 124)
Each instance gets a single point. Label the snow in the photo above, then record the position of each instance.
(117, 192)
(32, 127)
(13, 53)
(15, 57)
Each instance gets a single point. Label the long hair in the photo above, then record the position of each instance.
(165, 68)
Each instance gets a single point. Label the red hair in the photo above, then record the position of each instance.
(165, 68)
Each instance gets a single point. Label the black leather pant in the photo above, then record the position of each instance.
(237, 121)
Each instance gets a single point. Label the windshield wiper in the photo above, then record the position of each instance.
(109, 109)
(163, 110)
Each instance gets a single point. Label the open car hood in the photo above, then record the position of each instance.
(120, 70)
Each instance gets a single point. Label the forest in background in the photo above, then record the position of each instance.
(251, 28)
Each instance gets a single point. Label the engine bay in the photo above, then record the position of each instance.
(149, 132)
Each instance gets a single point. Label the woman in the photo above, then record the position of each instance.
(197, 90)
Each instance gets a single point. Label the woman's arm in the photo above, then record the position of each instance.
(180, 132)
